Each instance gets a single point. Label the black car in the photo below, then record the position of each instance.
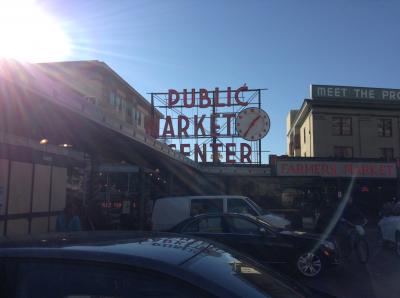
(307, 253)
(133, 265)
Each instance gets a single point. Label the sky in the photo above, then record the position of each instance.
(282, 45)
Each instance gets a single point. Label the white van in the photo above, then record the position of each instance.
(169, 211)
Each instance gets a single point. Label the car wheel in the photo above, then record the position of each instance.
(309, 264)
(398, 244)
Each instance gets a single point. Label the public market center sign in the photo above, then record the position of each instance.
(196, 123)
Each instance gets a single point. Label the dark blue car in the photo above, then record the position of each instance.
(133, 265)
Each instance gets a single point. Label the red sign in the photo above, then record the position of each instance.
(214, 125)
(204, 100)
(337, 169)
(111, 205)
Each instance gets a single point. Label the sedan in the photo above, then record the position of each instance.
(307, 253)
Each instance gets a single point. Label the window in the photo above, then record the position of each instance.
(297, 141)
(341, 126)
(240, 206)
(129, 115)
(387, 153)
(206, 225)
(112, 99)
(385, 127)
(343, 152)
(139, 119)
(94, 281)
(240, 225)
(200, 206)
(304, 135)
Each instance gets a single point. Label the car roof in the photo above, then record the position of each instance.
(184, 222)
(160, 247)
(187, 258)
(225, 214)
(202, 215)
(205, 197)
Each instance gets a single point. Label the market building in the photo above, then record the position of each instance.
(102, 86)
(79, 130)
(348, 139)
(58, 139)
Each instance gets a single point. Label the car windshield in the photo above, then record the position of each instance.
(133, 115)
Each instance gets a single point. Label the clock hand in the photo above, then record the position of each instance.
(251, 125)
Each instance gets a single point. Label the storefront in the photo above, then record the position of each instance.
(369, 182)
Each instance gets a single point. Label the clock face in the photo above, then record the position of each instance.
(252, 124)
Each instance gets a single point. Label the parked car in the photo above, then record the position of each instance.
(169, 211)
(134, 265)
(389, 230)
(304, 252)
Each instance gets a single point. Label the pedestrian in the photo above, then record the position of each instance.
(68, 220)
(388, 208)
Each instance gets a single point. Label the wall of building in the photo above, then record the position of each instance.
(32, 197)
(289, 123)
(102, 87)
(306, 137)
(33, 185)
(364, 140)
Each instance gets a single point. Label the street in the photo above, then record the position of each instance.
(378, 278)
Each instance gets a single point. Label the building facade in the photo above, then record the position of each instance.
(103, 87)
(346, 122)
(58, 126)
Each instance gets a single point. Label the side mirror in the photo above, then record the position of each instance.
(262, 230)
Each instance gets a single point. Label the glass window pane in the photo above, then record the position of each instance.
(388, 127)
(205, 225)
(346, 126)
(348, 152)
(200, 206)
(242, 226)
(73, 280)
(240, 206)
(336, 126)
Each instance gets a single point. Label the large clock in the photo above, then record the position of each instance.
(252, 124)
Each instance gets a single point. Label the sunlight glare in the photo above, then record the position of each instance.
(28, 34)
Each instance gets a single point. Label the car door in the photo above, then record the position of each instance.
(256, 240)
(209, 226)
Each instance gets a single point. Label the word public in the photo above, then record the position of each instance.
(205, 125)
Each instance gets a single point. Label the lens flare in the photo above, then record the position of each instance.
(28, 33)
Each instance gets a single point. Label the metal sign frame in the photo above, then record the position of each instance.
(227, 130)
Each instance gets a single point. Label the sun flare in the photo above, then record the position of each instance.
(28, 34)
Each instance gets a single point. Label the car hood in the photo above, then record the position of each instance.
(275, 220)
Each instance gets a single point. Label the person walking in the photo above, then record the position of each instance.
(69, 221)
